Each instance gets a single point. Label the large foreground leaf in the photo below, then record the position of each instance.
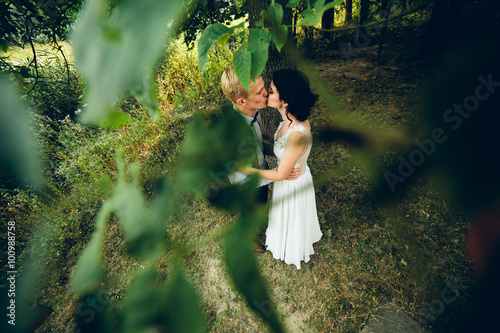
(215, 32)
(115, 50)
(89, 268)
(151, 305)
(144, 226)
(279, 31)
(242, 266)
(17, 153)
(242, 61)
(258, 45)
(210, 152)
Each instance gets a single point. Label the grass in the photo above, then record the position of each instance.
(19, 55)
(405, 249)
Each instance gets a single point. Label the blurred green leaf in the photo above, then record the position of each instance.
(89, 270)
(144, 227)
(242, 66)
(294, 3)
(170, 307)
(4, 45)
(25, 72)
(196, 156)
(275, 13)
(243, 269)
(258, 45)
(115, 118)
(209, 153)
(146, 95)
(112, 54)
(278, 35)
(17, 153)
(238, 198)
(87, 306)
(278, 31)
(183, 305)
(164, 203)
(144, 305)
(215, 32)
(312, 17)
(207, 39)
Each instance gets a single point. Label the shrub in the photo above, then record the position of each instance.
(180, 81)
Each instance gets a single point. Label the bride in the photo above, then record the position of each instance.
(293, 221)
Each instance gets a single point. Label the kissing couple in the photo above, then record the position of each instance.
(293, 224)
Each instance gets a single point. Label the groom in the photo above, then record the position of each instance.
(247, 105)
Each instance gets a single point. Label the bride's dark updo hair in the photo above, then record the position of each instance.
(293, 88)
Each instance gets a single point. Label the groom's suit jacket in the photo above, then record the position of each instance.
(254, 123)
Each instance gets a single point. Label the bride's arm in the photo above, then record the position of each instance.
(296, 145)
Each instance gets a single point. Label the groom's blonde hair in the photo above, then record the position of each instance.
(231, 86)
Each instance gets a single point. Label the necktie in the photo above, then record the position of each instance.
(254, 118)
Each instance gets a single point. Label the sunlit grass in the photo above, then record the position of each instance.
(22, 55)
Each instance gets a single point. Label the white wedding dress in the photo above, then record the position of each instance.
(293, 221)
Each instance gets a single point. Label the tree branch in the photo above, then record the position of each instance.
(7, 64)
(62, 53)
(28, 32)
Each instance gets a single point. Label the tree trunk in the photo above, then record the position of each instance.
(277, 60)
(364, 12)
(383, 6)
(348, 11)
(444, 17)
(387, 9)
(328, 21)
(294, 28)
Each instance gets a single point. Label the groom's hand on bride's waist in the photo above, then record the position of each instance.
(294, 174)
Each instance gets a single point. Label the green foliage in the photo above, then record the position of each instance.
(89, 269)
(313, 16)
(208, 12)
(125, 57)
(180, 81)
(173, 307)
(215, 32)
(144, 227)
(226, 142)
(58, 92)
(242, 63)
(25, 22)
(17, 155)
(279, 31)
(242, 266)
(258, 44)
(249, 62)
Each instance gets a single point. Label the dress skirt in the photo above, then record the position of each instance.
(293, 220)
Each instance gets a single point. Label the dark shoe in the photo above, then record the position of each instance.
(259, 248)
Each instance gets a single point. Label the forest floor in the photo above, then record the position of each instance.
(409, 249)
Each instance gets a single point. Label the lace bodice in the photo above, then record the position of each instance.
(279, 145)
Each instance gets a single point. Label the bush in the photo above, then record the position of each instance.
(180, 81)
